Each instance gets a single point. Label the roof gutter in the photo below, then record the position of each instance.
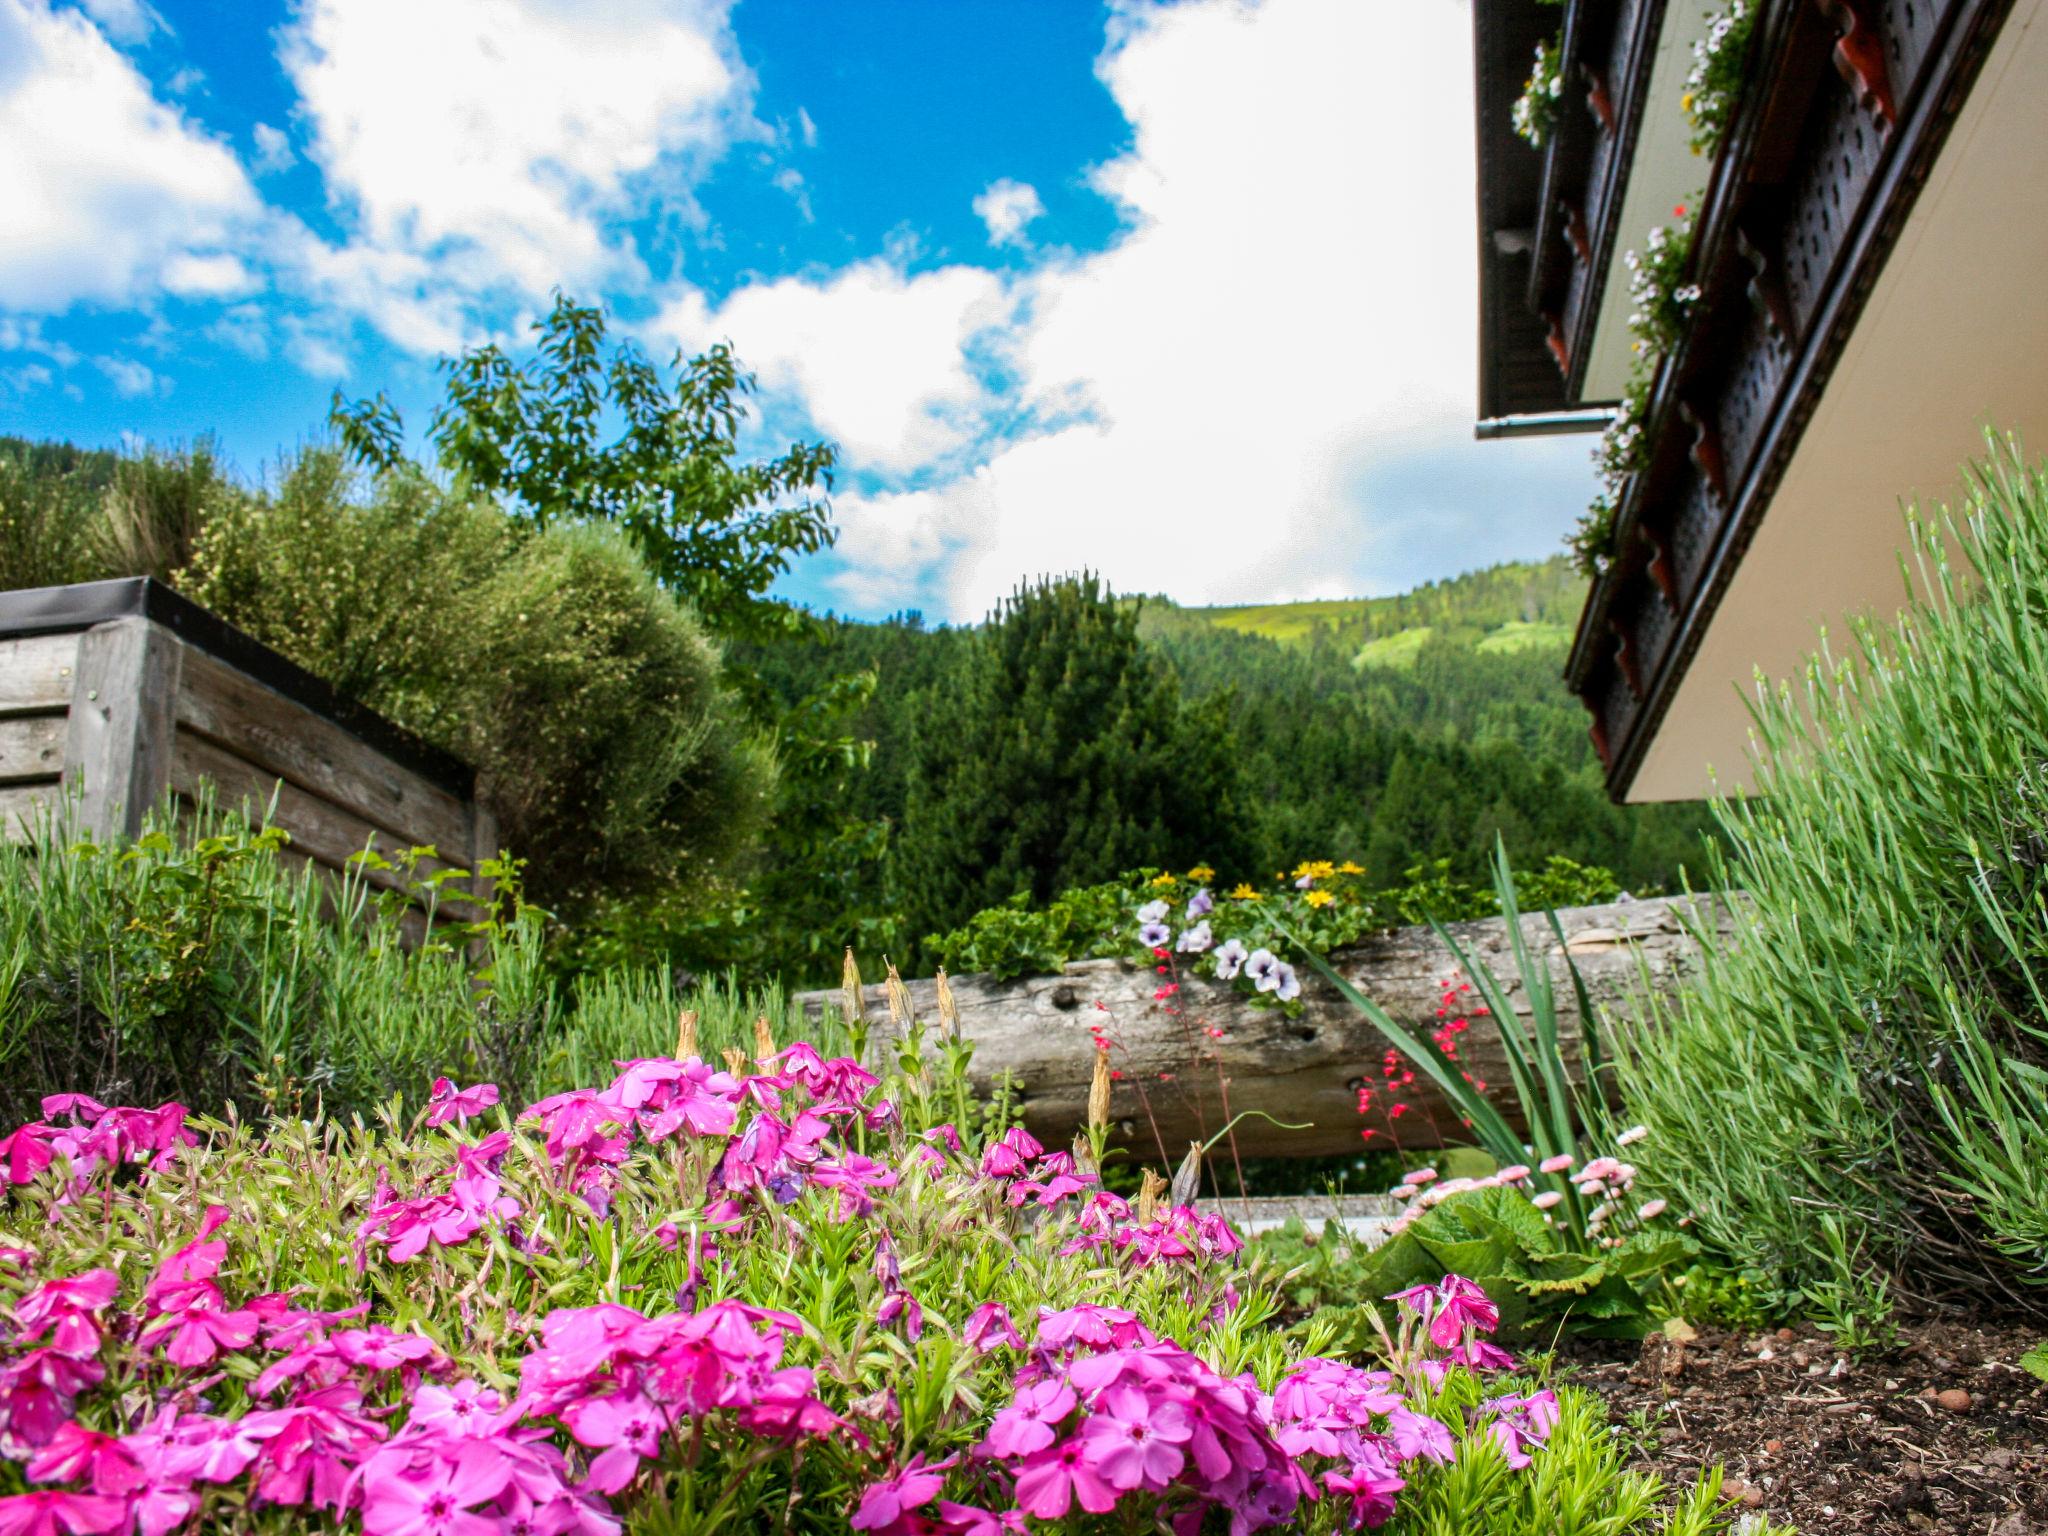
(1543, 424)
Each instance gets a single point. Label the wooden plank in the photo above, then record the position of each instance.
(263, 727)
(117, 753)
(18, 804)
(37, 672)
(32, 747)
(318, 827)
(1306, 1067)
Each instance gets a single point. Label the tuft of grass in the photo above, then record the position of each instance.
(1853, 1099)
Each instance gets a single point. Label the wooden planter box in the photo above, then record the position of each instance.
(115, 694)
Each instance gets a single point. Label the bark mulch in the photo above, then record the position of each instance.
(1941, 1433)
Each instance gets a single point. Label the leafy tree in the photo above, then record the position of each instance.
(576, 436)
(1056, 753)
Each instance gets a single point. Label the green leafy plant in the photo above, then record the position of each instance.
(1662, 303)
(1535, 111)
(2035, 1361)
(712, 526)
(1720, 69)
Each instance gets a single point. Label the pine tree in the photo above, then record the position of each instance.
(1057, 751)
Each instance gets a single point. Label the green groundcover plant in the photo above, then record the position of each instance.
(1322, 905)
(1853, 1097)
(200, 962)
(773, 1294)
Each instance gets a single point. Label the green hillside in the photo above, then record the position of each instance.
(1503, 610)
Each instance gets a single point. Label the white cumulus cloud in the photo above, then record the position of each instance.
(104, 188)
(879, 360)
(1292, 305)
(496, 137)
(1007, 208)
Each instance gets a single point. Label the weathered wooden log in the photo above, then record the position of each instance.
(1306, 1067)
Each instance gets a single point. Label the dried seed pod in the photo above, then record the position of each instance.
(900, 1013)
(1187, 1179)
(686, 1034)
(1150, 1188)
(1098, 1091)
(764, 1040)
(849, 988)
(949, 1010)
(736, 1061)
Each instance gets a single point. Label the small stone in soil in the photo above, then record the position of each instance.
(1954, 1399)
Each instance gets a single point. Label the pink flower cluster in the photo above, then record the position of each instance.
(97, 1137)
(1104, 1412)
(1177, 1234)
(130, 1416)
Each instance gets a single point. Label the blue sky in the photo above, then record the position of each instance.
(1182, 292)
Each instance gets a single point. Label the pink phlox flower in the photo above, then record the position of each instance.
(1049, 1483)
(1134, 1438)
(315, 1447)
(67, 1309)
(581, 1126)
(378, 1348)
(204, 1449)
(886, 1507)
(971, 1520)
(625, 1427)
(1029, 1422)
(1461, 1305)
(82, 1108)
(1419, 1435)
(451, 1103)
(75, 1454)
(1521, 1425)
(989, 1327)
(27, 1152)
(37, 1390)
(1009, 1157)
(432, 1487)
(1090, 1326)
(198, 1325)
(1370, 1484)
(1480, 1355)
(198, 1260)
(462, 1408)
(162, 1499)
(49, 1512)
(944, 1135)
(854, 1177)
(900, 1304)
(1104, 1212)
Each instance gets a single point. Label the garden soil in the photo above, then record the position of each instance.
(1940, 1433)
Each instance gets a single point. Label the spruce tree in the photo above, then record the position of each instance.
(1057, 751)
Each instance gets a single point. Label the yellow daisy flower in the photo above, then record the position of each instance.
(1202, 872)
(1244, 893)
(1349, 868)
(1319, 898)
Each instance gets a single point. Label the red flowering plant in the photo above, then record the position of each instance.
(763, 1294)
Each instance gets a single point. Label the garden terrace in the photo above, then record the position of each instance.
(115, 694)
(1863, 251)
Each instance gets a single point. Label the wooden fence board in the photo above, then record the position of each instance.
(318, 828)
(31, 747)
(263, 727)
(18, 803)
(36, 672)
